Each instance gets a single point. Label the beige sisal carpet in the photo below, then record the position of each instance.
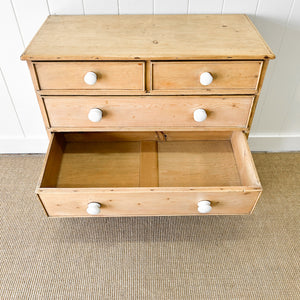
(225, 257)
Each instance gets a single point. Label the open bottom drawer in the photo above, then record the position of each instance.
(148, 173)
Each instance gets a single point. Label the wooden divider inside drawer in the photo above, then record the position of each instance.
(148, 173)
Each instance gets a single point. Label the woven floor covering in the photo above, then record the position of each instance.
(205, 257)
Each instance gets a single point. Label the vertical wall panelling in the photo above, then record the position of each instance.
(65, 7)
(240, 7)
(168, 7)
(30, 15)
(9, 123)
(291, 49)
(205, 7)
(101, 7)
(16, 73)
(128, 7)
(271, 20)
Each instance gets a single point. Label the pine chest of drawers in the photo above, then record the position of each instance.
(148, 115)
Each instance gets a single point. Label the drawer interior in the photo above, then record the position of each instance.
(148, 159)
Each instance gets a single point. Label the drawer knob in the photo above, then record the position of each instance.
(200, 115)
(90, 78)
(206, 78)
(93, 208)
(204, 206)
(95, 115)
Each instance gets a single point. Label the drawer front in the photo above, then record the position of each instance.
(107, 75)
(148, 111)
(148, 203)
(227, 77)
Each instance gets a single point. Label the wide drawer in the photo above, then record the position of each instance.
(148, 173)
(148, 111)
(107, 75)
(215, 77)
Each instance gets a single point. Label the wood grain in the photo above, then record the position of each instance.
(117, 161)
(197, 163)
(35, 81)
(147, 156)
(100, 164)
(52, 164)
(244, 160)
(69, 204)
(148, 111)
(135, 136)
(145, 128)
(123, 38)
(261, 80)
(148, 177)
(110, 75)
(90, 92)
(228, 77)
(148, 164)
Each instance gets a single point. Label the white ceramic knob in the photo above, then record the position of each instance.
(90, 78)
(200, 115)
(204, 206)
(206, 78)
(93, 208)
(95, 115)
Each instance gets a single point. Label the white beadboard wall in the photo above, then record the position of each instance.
(276, 124)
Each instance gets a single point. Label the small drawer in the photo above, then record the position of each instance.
(90, 75)
(215, 77)
(148, 173)
(147, 111)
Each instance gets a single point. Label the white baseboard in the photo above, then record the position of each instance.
(274, 143)
(268, 143)
(23, 145)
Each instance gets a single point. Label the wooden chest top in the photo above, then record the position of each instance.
(142, 37)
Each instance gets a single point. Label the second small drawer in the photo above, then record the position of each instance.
(206, 77)
(147, 111)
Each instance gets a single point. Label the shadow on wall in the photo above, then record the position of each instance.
(278, 110)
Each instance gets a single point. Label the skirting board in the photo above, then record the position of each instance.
(274, 143)
(23, 145)
(267, 143)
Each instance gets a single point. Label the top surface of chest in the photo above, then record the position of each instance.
(159, 37)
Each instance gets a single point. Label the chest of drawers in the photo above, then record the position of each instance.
(148, 115)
